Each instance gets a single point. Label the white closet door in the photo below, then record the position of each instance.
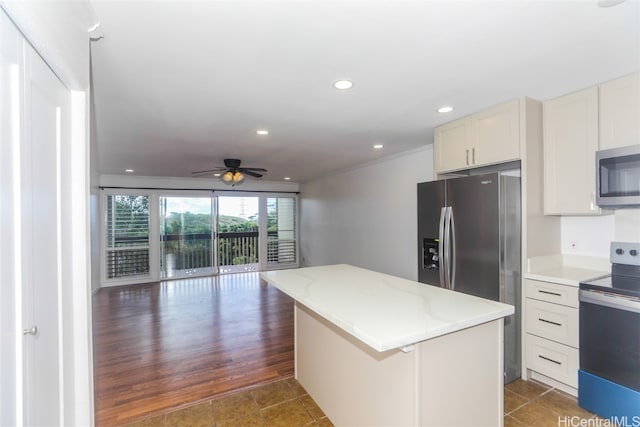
(46, 125)
(10, 373)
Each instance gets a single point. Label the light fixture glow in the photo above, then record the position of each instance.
(445, 109)
(217, 174)
(343, 84)
(262, 132)
(238, 178)
(233, 178)
(378, 146)
(286, 178)
(129, 170)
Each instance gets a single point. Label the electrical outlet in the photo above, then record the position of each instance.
(573, 245)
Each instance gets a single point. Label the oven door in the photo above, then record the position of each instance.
(610, 337)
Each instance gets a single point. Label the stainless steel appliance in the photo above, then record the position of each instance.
(609, 375)
(618, 177)
(469, 241)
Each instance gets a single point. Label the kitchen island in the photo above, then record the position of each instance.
(373, 349)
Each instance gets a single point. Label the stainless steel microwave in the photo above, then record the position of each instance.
(618, 177)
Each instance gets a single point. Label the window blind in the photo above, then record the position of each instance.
(127, 235)
(281, 231)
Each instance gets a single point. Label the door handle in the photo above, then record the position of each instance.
(441, 247)
(32, 331)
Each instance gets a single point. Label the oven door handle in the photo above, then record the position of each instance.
(620, 303)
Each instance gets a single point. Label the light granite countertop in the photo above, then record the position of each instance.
(383, 311)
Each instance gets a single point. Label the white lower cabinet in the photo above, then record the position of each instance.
(556, 361)
(551, 324)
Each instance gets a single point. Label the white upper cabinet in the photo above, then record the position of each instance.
(452, 143)
(570, 144)
(484, 138)
(496, 135)
(620, 112)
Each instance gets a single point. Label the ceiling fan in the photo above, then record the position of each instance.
(232, 173)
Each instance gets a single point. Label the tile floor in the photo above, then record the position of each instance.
(283, 403)
(286, 404)
(529, 403)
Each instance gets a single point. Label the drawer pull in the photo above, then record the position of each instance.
(550, 293)
(550, 360)
(549, 321)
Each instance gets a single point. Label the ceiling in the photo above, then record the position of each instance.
(180, 85)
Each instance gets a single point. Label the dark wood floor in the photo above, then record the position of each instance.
(163, 346)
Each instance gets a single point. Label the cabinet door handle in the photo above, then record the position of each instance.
(550, 293)
(549, 360)
(467, 157)
(473, 155)
(549, 321)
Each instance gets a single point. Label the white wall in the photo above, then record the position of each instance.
(592, 235)
(367, 216)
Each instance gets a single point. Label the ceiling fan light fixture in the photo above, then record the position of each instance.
(238, 178)
(227, 177)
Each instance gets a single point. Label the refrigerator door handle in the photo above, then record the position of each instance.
(441, 247)
(447, 247)
(452, 250)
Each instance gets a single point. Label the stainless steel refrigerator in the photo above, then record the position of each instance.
(469, 241)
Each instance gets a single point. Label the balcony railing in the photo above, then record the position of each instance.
(193, 251)
(237, 251)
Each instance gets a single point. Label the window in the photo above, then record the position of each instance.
(281, 231)
(127, 236)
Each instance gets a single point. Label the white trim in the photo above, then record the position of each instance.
(179, 183)
(59, 280)
(17, 241)
(81, 330)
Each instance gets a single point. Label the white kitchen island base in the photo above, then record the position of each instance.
(378, 350)
(451, 380)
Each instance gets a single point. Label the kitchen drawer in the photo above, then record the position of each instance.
(552, 292)
(552, 321)
(554, 360)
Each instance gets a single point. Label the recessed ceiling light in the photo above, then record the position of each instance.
(286, 178)
(262, 132)
(445, 109)
(128, 170)
(217, 174)
(378, 146)
(343, 84)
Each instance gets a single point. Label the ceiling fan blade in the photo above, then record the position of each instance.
(253, 169)
(251, 173)
(209, 171)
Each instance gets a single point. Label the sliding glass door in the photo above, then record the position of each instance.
(187, 236)
(153, 235)
(238, 236)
